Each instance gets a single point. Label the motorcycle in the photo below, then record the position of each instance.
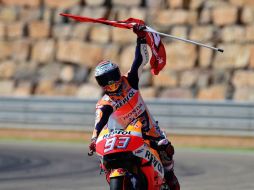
(129, 160)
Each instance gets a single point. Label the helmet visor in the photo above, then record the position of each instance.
(109, 78)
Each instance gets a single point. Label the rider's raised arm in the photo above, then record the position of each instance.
(102, 115)
(140, 60)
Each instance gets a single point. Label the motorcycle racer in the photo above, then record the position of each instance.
(123, 102)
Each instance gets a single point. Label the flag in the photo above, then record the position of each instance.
(127, 24)
(158, 59)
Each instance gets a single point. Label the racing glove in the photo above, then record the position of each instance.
(165, 145)
(92, 145)
(139, 30)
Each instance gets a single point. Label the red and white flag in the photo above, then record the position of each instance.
(158, 59)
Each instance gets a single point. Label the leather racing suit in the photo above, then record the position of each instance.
(127, 105)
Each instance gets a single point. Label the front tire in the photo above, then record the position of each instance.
(117, 183)
(123, 183)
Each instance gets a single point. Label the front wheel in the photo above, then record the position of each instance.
(117, 183)
(126, 183)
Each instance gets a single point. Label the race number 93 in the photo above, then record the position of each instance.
(116, 142)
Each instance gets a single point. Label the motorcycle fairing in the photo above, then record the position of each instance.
(151, 156)
(136, 146)
(118, 141)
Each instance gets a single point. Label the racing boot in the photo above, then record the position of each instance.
(166, 152)
(172, 180)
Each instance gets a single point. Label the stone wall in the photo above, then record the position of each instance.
(42, 53)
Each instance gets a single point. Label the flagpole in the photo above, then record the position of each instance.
(149, 29)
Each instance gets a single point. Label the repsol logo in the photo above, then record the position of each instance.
(156, 164)
(135, 112)
(117, 132)
(125, 99)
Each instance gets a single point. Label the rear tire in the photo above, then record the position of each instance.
(117, 183)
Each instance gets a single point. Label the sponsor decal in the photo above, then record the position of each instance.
(155, 162)
(125, 99)
(116, 132)
(145, 153)
(134, 113)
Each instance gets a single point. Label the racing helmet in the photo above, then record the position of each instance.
(108, 76)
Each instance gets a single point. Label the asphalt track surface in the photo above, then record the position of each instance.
(62, 166)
